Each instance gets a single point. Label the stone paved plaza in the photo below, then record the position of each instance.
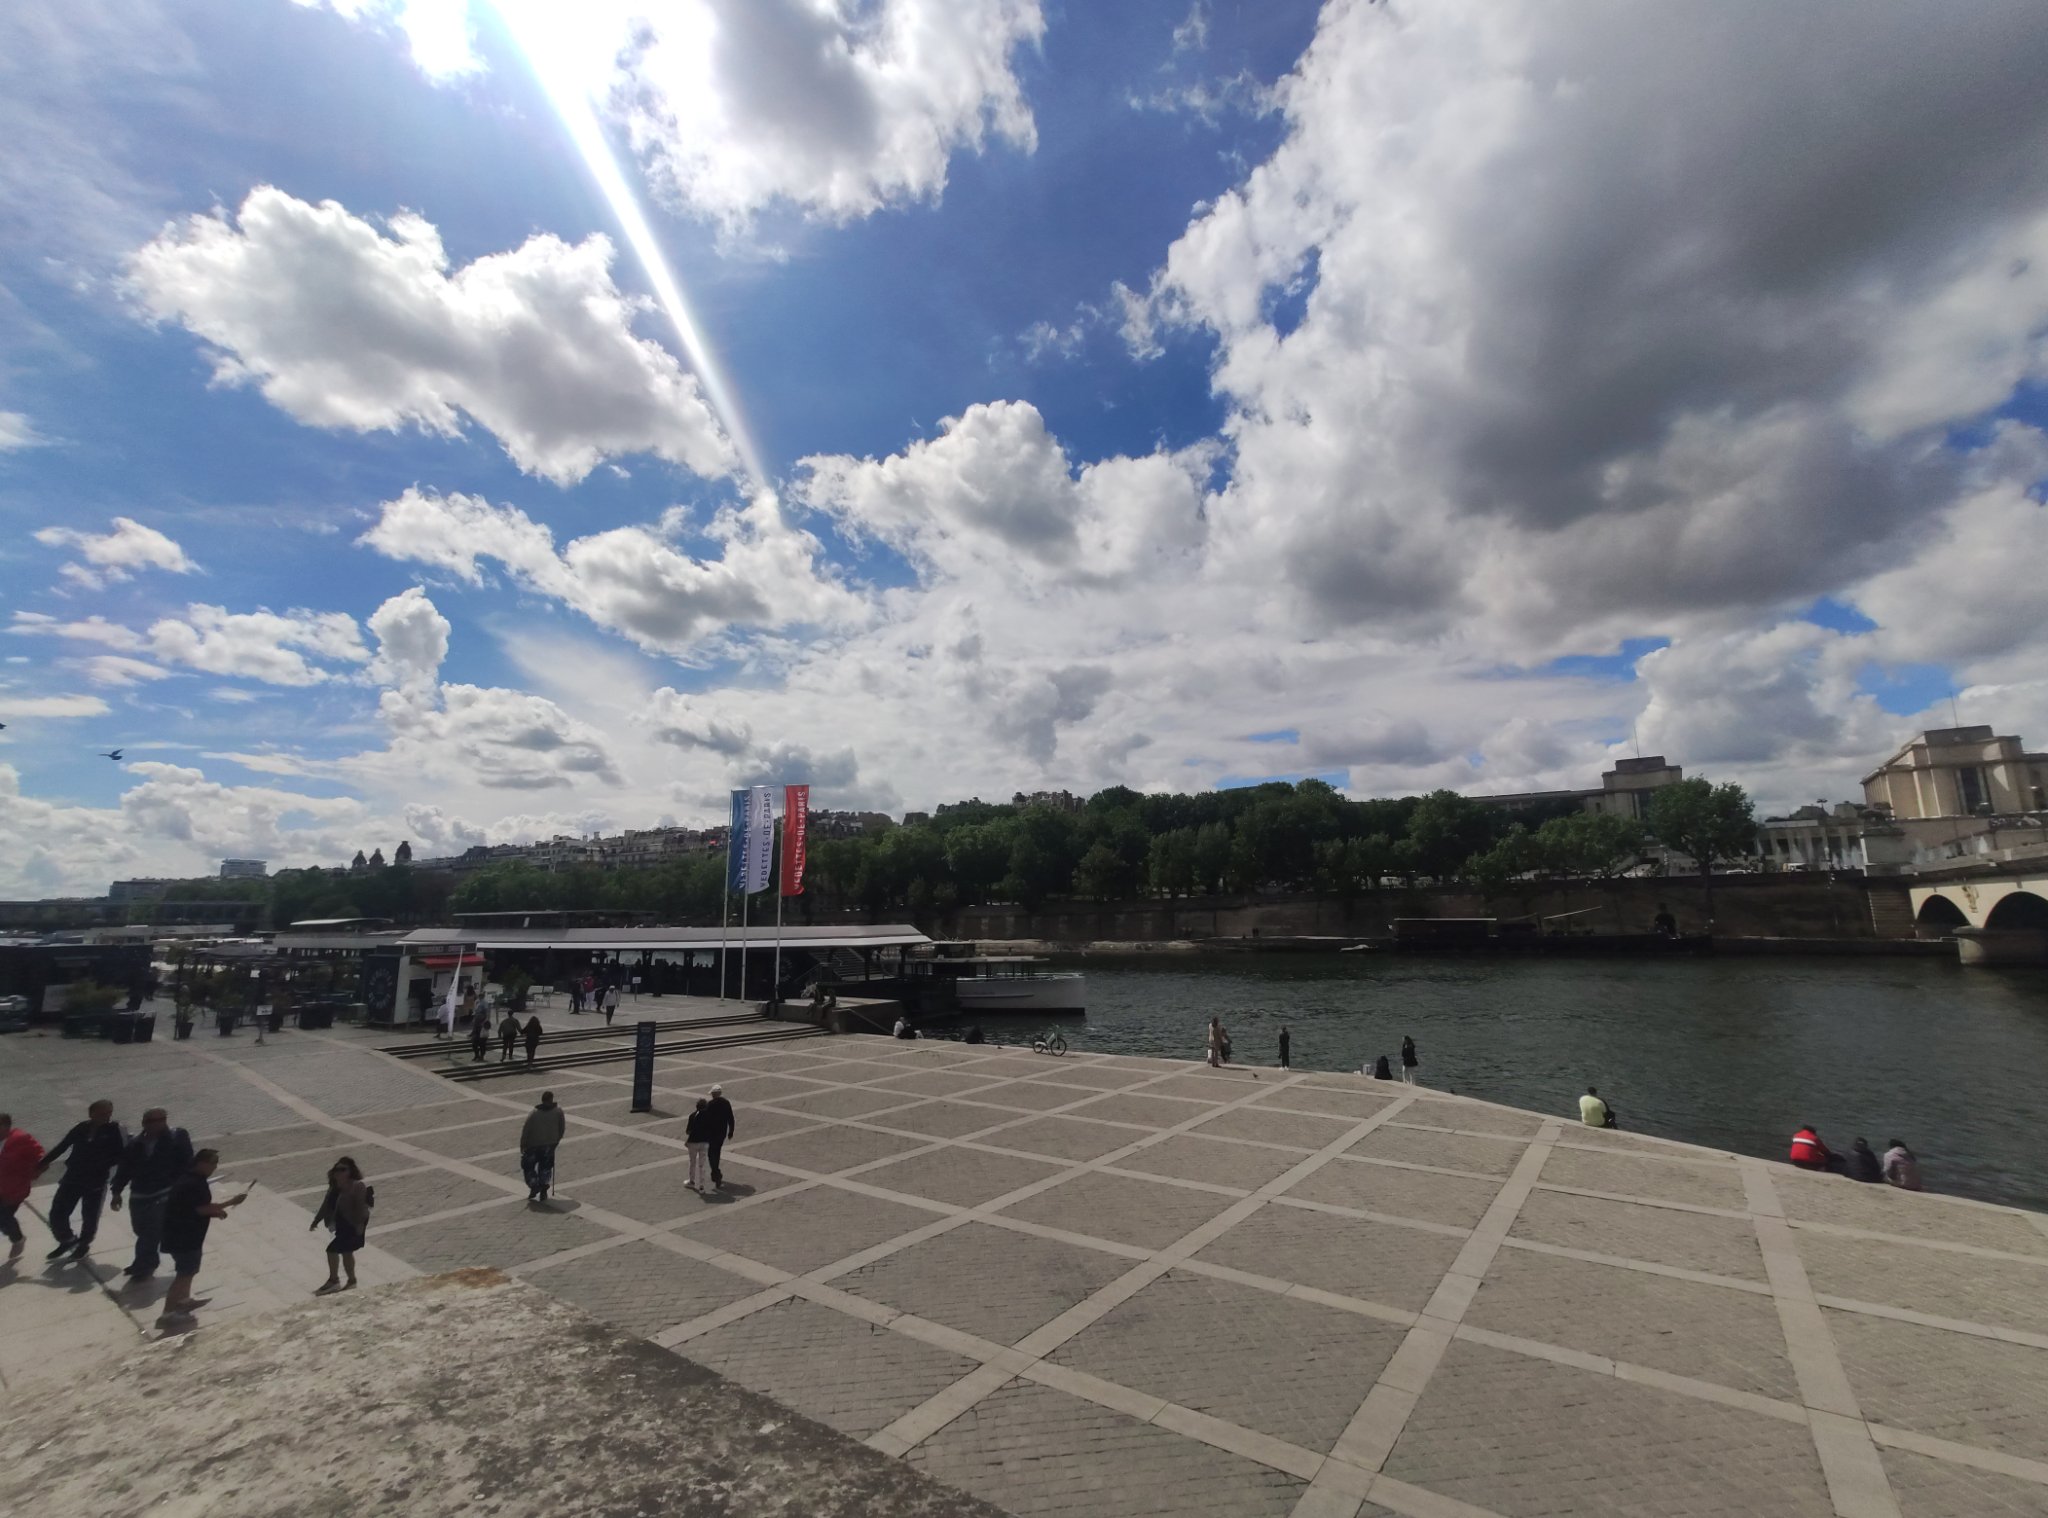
(1110, 1286)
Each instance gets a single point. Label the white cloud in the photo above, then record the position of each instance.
(54, 706)
(119, 670)
(438, 33)
(628, 579)
(15, 432)
(111, 557)
(996, 485)
(93, 629)
(343, 326)
(275, 648)
(412, 640)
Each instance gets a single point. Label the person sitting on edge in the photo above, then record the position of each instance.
(1664, 924)
(1902, 1166)
(1809, 1153)
(1592, 1111)
(1381, 1070)
(1863, 1163)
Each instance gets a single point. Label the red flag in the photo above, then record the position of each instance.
(796, 816)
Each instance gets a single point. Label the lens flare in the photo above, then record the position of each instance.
(548, 35)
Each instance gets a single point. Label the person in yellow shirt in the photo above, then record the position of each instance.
(1593, 1111)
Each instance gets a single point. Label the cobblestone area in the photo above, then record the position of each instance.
(1212, 1319)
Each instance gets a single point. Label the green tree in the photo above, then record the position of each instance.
(978, 856)
(1708, 822)
(1104, 875)
(1447, 829)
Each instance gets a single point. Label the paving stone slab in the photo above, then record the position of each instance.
(1886, 1209)
(1457, 1201)
(1030, 1096)
(1066, 1138)
(1293, 1369)
(1143, 1109)
(847, 1374)
(1627, 1175)
(1203, 1085)
(841, 1101)
(1953, 1386)
(401, 1198)
(1330, 1100)
(311, 1139)
(1219, 1161)
(1039, 1453)
(1930, 1488)
(964, 1177)
(1635, 1231)
(586, 1154)
(410, 1120)
(1298, 1130)
(799, 1230)
(304, 1172)
(1447, 1151)
(508, 1235)
(1470, 1117)
(933, 1082)
(988, 1281)
(835, 1148)
(642, 1287)
(2001, 1293)
(947, 1119)
(1149, 1214)
(1101, 1077)
(1710, 1333)
(497, 1139)
(1520, 1436)
(1375, 1262)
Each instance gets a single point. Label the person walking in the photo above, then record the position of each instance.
(346, 1211)
(532, 1037)
(1809, 1153)
(1863, 1163)
(1286, 1045)
(152, 1160)
(611, 1004)
(1219, 1041)
(188, 1212)
(508, 1036)
(722, 1128)
(21, 1157)
(1408, 1060)
(1902, 1166)
(538, 1136)
(697, 1140)
(479, 1035)
(1592, 1111)
(90, 1151)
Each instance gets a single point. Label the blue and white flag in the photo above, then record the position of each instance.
(736, 844)
(758, 844)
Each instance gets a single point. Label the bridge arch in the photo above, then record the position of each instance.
(2019, 909)
(1937, 911)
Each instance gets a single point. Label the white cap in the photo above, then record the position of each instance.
(718, 1090)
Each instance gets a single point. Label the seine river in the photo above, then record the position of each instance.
(1729, 1052)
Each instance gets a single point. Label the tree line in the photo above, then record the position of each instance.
(1119, 844)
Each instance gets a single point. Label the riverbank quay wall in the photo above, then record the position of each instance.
(1846, 907)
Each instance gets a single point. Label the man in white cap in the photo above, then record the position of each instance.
(719, 1110)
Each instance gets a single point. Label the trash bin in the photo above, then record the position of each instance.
(121, 1027)
(276, 1020)
(224, 1023)
(182, 1027)
(145, 1027)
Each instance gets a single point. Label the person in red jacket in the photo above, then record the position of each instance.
(1808, 1152)
(20, 1157)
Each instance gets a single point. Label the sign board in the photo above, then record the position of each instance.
(643, 1067)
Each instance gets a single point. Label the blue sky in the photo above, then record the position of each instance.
(1160, 394)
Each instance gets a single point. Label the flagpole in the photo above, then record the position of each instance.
(775, 986)
(724, 928)
(744, 899)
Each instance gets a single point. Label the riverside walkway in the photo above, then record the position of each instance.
(1110, 1286)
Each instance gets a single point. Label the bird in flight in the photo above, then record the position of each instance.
(113, 754)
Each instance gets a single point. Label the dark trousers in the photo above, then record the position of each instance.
(9, 1229)
(146, 1217)
(506, 1057)
(537, 1166)
(1283, 1058)
(714, 1148)
(88, 1197)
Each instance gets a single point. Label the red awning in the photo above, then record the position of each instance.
(450, 961)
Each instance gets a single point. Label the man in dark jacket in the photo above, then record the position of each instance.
(91, 1150)
(538, 1136)
(189, 1212)
(508, 1037)
(150, 1163)
(717, 1130)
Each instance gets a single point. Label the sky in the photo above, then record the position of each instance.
(471, 420)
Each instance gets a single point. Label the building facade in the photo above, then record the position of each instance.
(1959, 772)
(244, 869)
(1624, 791)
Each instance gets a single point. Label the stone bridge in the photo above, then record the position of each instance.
(2000, 920)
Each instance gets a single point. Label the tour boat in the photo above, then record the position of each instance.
(993, 984)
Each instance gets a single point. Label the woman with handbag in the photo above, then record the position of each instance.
(346, 1210)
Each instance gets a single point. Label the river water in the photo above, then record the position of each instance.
(1731, 1052)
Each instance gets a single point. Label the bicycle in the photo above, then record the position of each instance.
(1048, 1043)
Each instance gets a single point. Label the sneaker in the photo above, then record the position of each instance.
(81, 1249)
(60, 1251)
(328, 1289)
(350, 1286)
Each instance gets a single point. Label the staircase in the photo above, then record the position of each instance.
(1891, 911)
